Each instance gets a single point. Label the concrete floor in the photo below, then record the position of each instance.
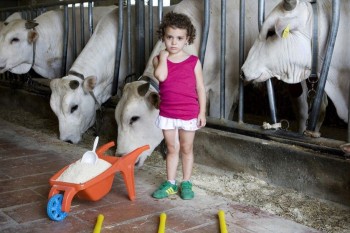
(28, 159)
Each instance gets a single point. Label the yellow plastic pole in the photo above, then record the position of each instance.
(162, 218)
(99, 222)
(222, 221)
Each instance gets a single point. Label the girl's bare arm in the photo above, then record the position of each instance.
(160, 66)
(201, 94)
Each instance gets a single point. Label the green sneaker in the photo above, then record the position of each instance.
(164, 190)
(186, 190)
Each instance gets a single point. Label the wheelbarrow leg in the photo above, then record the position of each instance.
(129, 180)
(67, 199)
(127, 166)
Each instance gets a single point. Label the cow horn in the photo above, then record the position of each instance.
(30, 24)
(73, 84)
(142, 89)
(289, 5)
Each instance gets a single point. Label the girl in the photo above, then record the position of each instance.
(182, 101)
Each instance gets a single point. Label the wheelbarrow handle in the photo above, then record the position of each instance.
(102, 149)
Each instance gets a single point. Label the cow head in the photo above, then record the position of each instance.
(16, 46)
(283, 48)
(74, 106)
(135, 114)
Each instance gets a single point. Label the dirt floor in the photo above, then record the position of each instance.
(319, 214)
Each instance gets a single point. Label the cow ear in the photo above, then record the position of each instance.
(89, 83)
(154, 99)
(142, 89)
(73, 84)
(30, 24)
(32, 36)
(54, 84)
(284, 27)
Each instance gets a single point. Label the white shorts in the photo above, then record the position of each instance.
(169, 123)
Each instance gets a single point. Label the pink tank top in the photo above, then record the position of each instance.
(178, 94)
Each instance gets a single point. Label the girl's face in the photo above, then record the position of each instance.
(175, 39)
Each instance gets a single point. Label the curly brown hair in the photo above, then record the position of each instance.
(177, 20)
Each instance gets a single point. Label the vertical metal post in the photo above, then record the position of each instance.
(140, 28)
(82, 24)
(150, 26)
(118, 49)
(205, 31)
(315, 111)
(269, 86)
(241, 58)
(91, 24)
(160, 11)
(65, 41)
(74, 32)
(128, 39)
(222, 59)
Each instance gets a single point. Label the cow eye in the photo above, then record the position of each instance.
(270, 33)
(14, 40)
(133, 119)
(75, 107)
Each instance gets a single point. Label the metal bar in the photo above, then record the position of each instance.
(241, 58)
(50, 4)
(140, 33)
(90, 18)
(65, 41)
(128, 40)
(160, 11)
(82, 24)
(269, 86)
(272, 102)
(222, 59)
(119, 48)
(315, 111)
(74, 32)
(150, 26)
(205, 31)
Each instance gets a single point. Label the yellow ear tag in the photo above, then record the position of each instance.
(285, 33)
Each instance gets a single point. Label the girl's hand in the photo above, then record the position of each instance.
(163, 55)
(201, 120)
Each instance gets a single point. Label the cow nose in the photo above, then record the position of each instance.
(69, 141)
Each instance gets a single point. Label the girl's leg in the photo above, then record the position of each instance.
(186, 148)
(172, 158)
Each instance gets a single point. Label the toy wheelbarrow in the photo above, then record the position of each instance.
(59, 204)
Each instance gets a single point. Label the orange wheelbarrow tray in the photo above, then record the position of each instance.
(59, 204)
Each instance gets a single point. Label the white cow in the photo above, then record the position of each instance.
(288, 57)
(71, 100)
(39, 45)
(135, 114)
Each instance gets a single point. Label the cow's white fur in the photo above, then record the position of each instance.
(289, 59)
(17, 57)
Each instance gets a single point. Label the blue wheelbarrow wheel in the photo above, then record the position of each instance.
(54, 207)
